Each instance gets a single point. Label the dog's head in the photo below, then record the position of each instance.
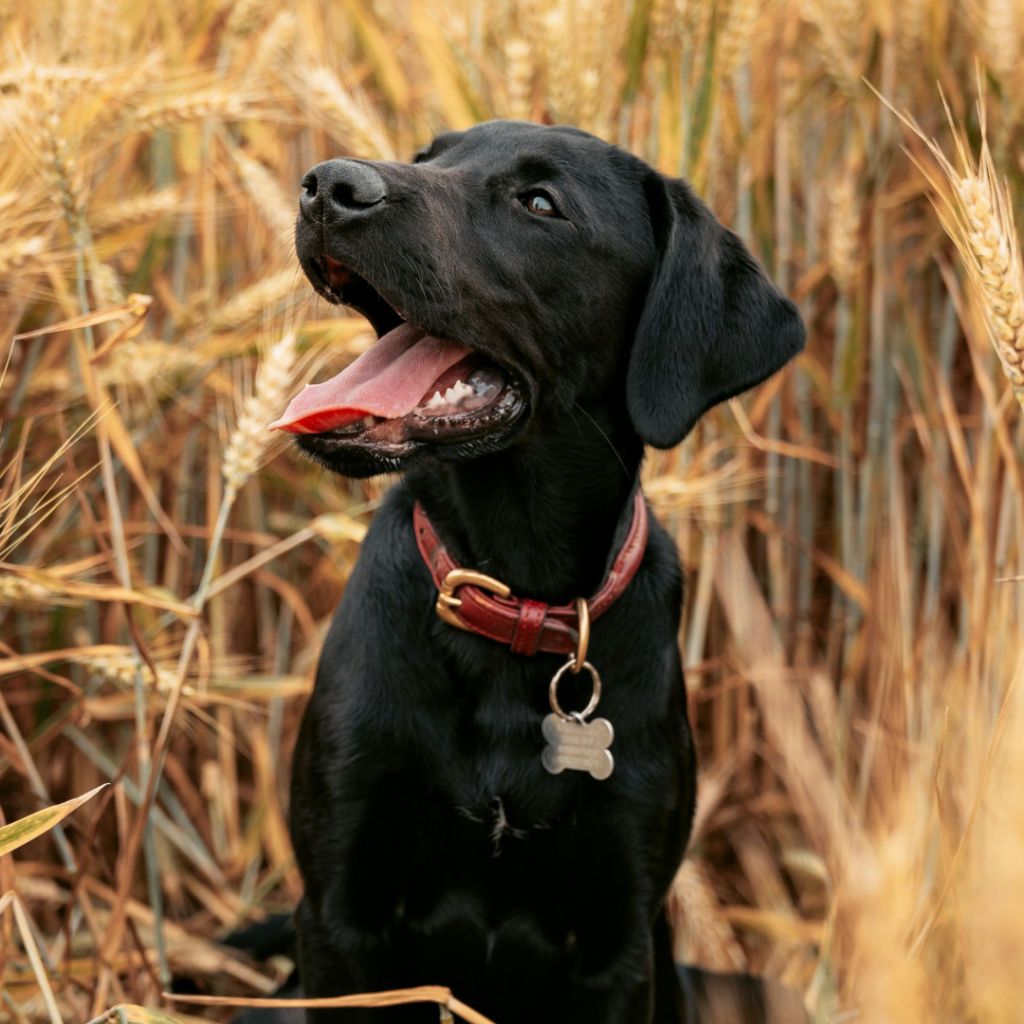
(512, 271)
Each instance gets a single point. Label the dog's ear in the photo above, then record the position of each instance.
(712, 326)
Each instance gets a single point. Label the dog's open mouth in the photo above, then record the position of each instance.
(409, 386)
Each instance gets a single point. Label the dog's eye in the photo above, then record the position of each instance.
(540, 203)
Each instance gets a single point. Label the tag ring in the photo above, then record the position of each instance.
(553, 691)
(583, 614)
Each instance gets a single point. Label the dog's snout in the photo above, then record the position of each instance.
(341, 189)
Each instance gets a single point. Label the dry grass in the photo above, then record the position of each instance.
(166, 581)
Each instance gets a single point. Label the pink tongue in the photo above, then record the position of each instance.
(387, 380)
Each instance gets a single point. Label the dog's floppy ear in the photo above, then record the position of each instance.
(713, 325)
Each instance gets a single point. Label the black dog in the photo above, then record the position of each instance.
(558, 304)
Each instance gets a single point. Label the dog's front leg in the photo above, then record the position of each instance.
(339, 960)
(350, 828)
(620, 994)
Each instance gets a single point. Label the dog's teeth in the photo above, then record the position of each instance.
(457, 392)
(453, 396)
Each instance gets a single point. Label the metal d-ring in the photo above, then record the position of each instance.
(583, 614)
(553, 691)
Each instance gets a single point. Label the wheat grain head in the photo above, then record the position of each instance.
(843, 227)
(519, 79)
(221, 102)
(43, 131)
(266, 194)
(999, 36)
(244, 19)
(18, 592)
(21, 253)
(273, 44)
(343, 111)
(137, 210)
(976, 211)
(738, 34)
(703, 936)
(251, 302)
(840, 25)
(250, 439)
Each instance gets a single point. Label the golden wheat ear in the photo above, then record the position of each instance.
(250, 439)
(976, 211)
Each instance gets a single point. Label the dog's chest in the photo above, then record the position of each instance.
(489, 752)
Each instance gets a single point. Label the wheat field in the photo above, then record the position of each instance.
(852, 532)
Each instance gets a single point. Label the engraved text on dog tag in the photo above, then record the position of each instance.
(582, 746)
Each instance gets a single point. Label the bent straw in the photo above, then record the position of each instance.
(394, 997)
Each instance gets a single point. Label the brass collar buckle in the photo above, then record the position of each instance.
(447, 602)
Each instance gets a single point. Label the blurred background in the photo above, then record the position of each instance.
(850, 531)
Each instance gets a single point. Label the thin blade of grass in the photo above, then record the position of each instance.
(29, 942)
(24, 830)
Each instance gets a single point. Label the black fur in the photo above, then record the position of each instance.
(434, 846)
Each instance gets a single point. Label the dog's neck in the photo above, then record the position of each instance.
(543, 516)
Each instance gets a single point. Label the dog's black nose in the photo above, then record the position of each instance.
(341, 189)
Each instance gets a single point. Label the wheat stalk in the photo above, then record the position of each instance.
(121, 669)
(520, 74)
(1000, 36)
(703, 936)
(686, 13)
(218, 103)
(148, 363)
(273, 44)
(106, 286)
(52, 149)
(250, 438)
(246, 447)
(739, 31)
(107, 31)
(21, 252)
(252, 301)
(137, 210)
(977, 214)
(843, 228)
(840, 25)
(350, 119)
(991, 250)
(667, 25)
(910, 23)
(31, 74)
(267, 195)
(142, 363)
(244, 19)
(18, 592)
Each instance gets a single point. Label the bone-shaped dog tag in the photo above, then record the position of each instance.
(582, 746)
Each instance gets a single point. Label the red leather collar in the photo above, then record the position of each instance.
(529, 626)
